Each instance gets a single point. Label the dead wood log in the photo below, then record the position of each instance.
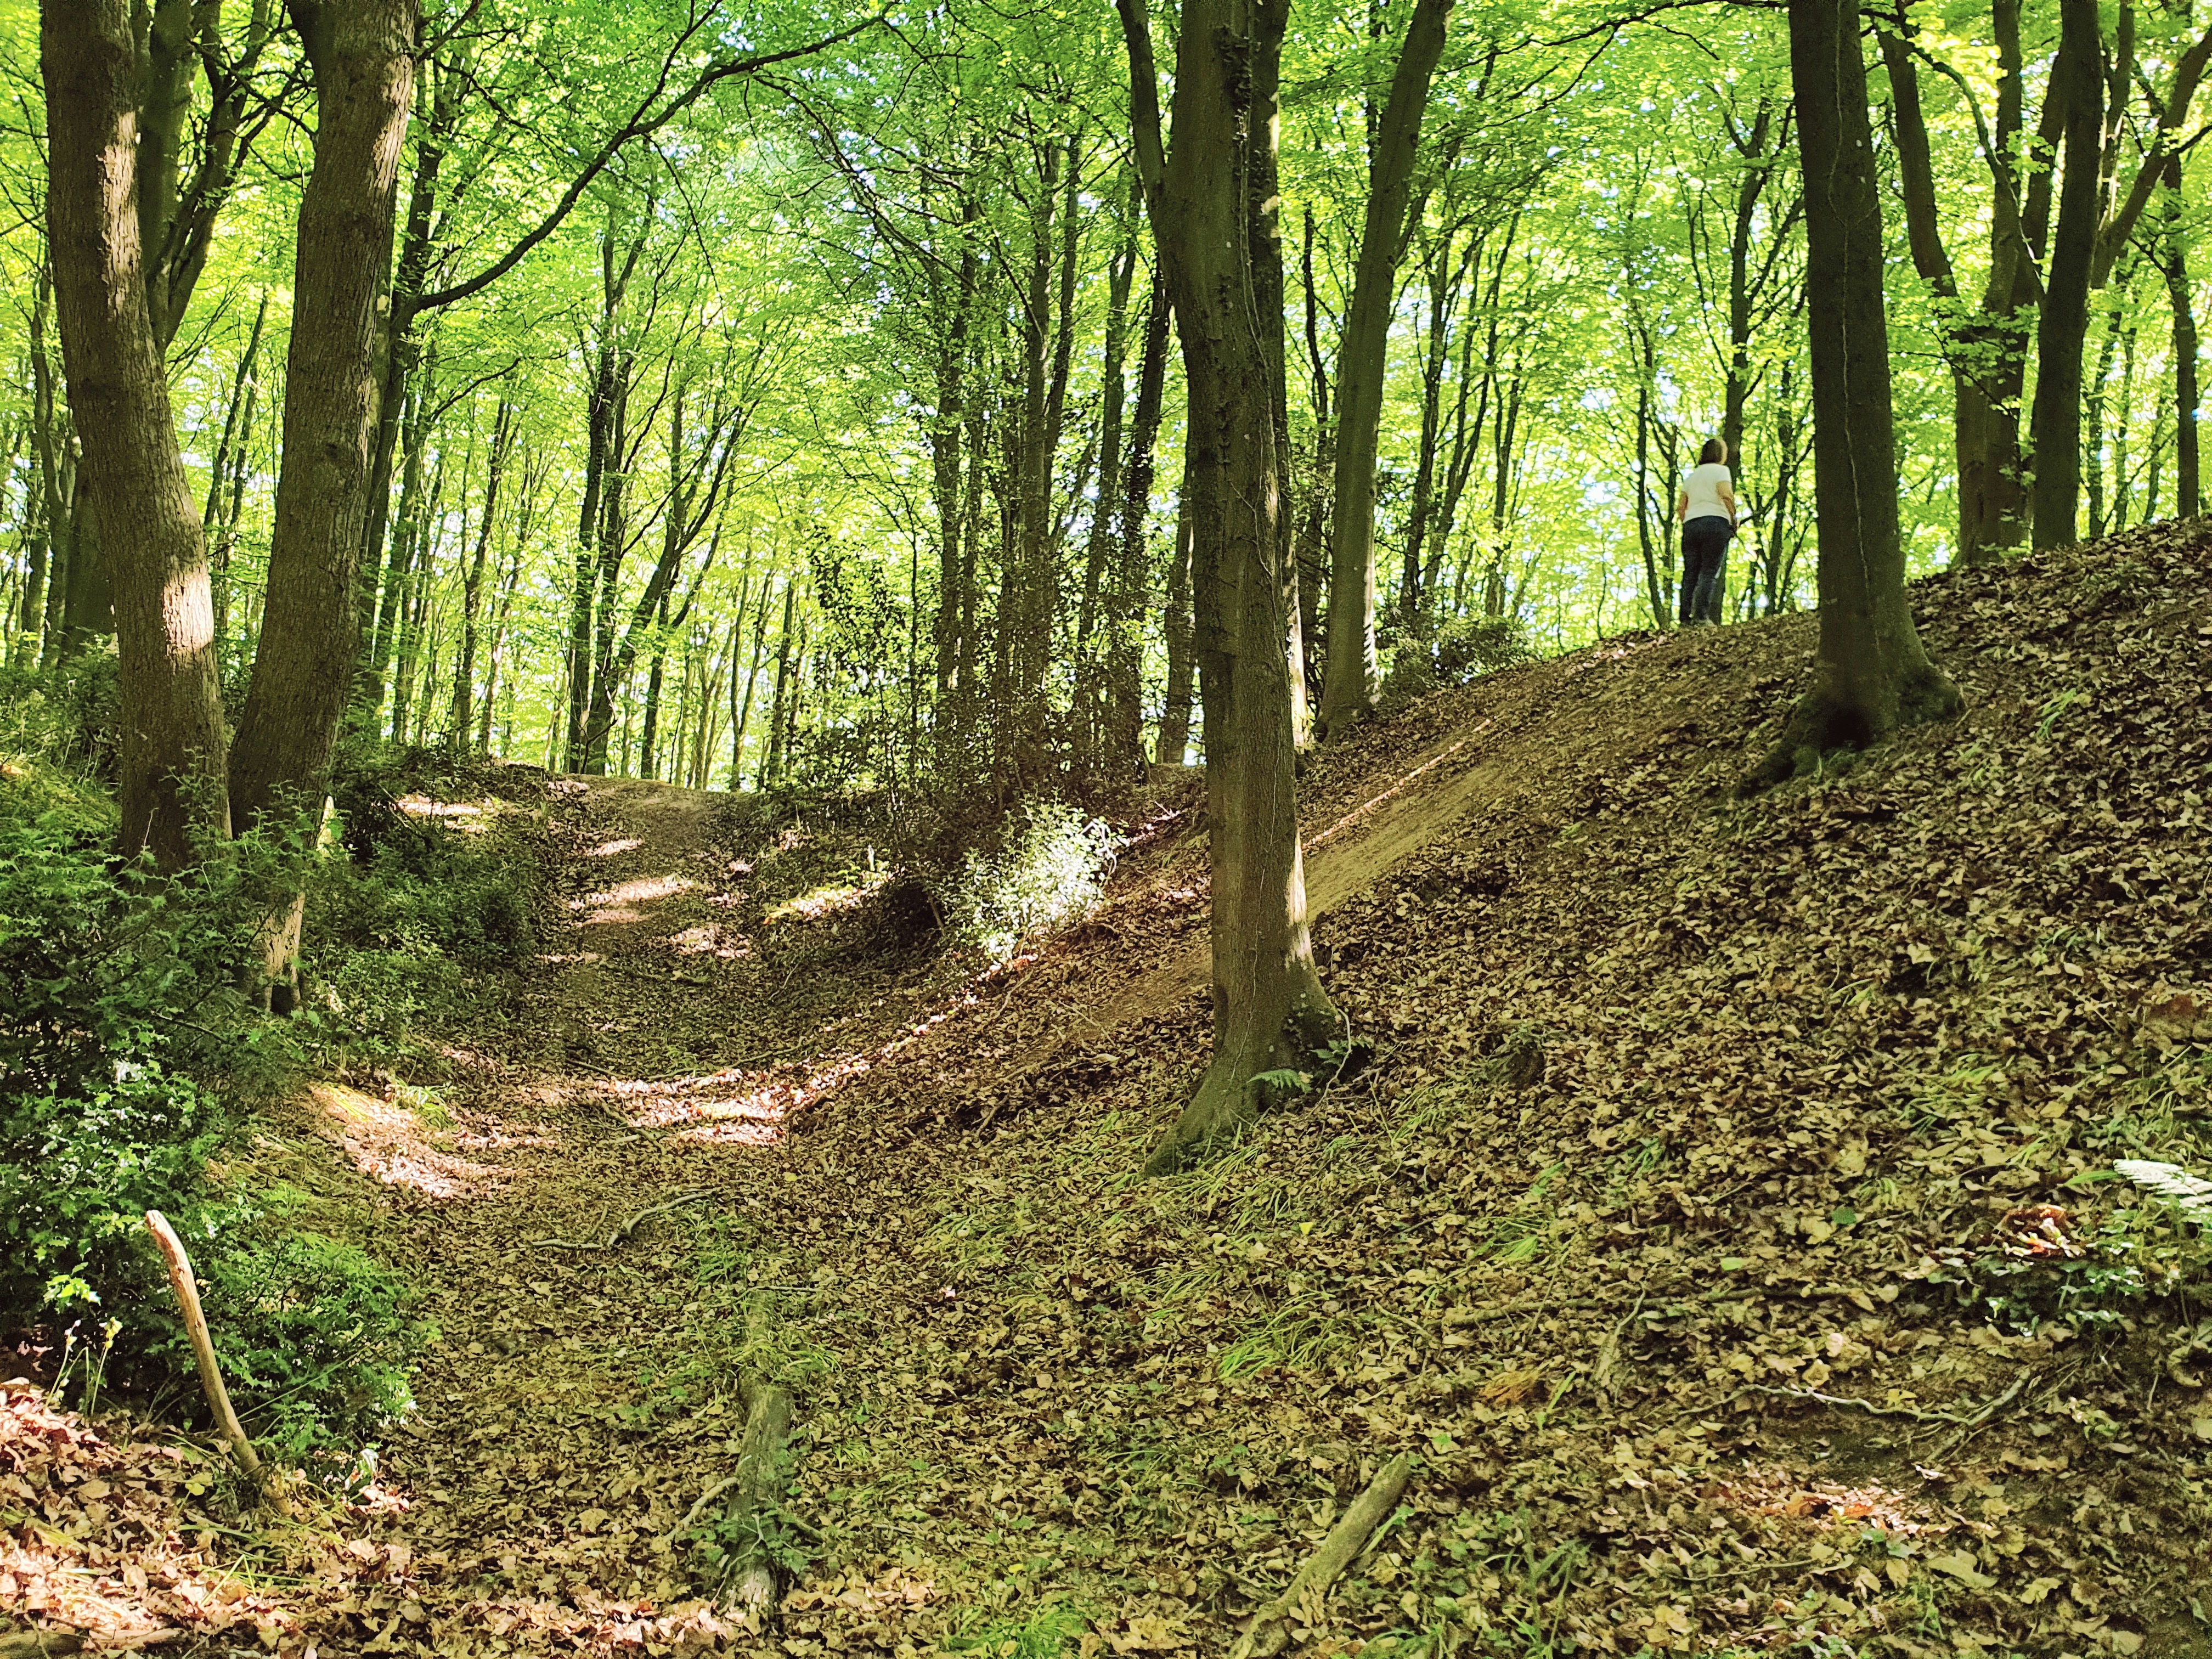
(754, 1518)
(195, 1325)
(1269, 1632)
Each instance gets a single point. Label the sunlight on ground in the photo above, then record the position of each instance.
(471, 819)
(826, 901)
(708, 939)
(390, 1143)
(736, 1106)
(1398, 787)
(620, 902)
(609, 849)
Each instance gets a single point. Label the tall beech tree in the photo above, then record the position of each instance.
(173, 793)
(1354, 676)
(362, 54)
(1215, 211)
(1872, 674)
(2077, 89)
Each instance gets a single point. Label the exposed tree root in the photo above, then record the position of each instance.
(622, 1233)
(1823, 724)
(1269, 1631)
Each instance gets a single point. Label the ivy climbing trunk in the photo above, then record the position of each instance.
(1214, 213)
(1872, 674)
(172, 791)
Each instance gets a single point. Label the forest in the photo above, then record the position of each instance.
(905, 831)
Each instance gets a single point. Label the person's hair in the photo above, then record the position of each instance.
(1715, 449)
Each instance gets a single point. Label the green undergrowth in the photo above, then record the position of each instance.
(136, 1059)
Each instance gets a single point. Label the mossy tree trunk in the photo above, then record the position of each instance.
(173, 793)
(1214, 210)
(1873, 675)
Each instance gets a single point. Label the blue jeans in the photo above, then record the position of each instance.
(1704, 550)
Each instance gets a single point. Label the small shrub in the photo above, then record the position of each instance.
(1461, 652)
(116, 993)
(124, 1024)
(315, 1338)
(1050, 870)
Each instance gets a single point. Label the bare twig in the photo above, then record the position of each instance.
(622, 1233)
(1974, 1418)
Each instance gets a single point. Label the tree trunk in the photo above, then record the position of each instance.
(1131, 578)
(1176, 628)
(1353, 677)
(1872, 674)
(173, 794)
(1214, 210)
(772, 759)
(362, 54)
(414, 426)
(465, 667)
(50, 444)
(226, 477)
(2189, 501)
(2063, 327)
(742, 713)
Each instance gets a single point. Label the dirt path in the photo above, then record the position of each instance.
(546, 1484)
(558, 1450)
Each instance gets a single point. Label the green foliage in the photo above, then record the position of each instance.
(61, 721)
(1050, 870)
(110, 980)
(315, 1338)
(1045, 1633)
(411, 917)
(126, 1027)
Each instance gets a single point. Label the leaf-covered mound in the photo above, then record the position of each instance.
(1727, 1223)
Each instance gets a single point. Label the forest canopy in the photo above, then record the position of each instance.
(759, 409)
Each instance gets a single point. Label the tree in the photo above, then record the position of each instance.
(2077, 89)
(1872, 675)
(1214, 212)
(1353, 680)
(362, 53)
(174, 796)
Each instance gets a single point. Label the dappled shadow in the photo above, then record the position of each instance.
(390, 1143)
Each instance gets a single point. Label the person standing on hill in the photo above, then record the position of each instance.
(1706, 506)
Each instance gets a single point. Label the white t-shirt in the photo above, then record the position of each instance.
(1702, 485)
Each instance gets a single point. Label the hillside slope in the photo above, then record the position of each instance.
(1722, 1224)
(1792, 1077)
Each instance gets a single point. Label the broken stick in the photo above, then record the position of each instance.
(188, 1300)
(1269, 1631)
(628, 1227)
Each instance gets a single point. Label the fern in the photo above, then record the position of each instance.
(2191, 1194)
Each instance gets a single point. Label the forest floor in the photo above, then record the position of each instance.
(1725, 1223)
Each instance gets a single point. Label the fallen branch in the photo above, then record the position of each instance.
(747, 1530)
(187, 1291)
(622, 1233)
(1269, 1631)
(40, 1643)
(1972, 1419)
